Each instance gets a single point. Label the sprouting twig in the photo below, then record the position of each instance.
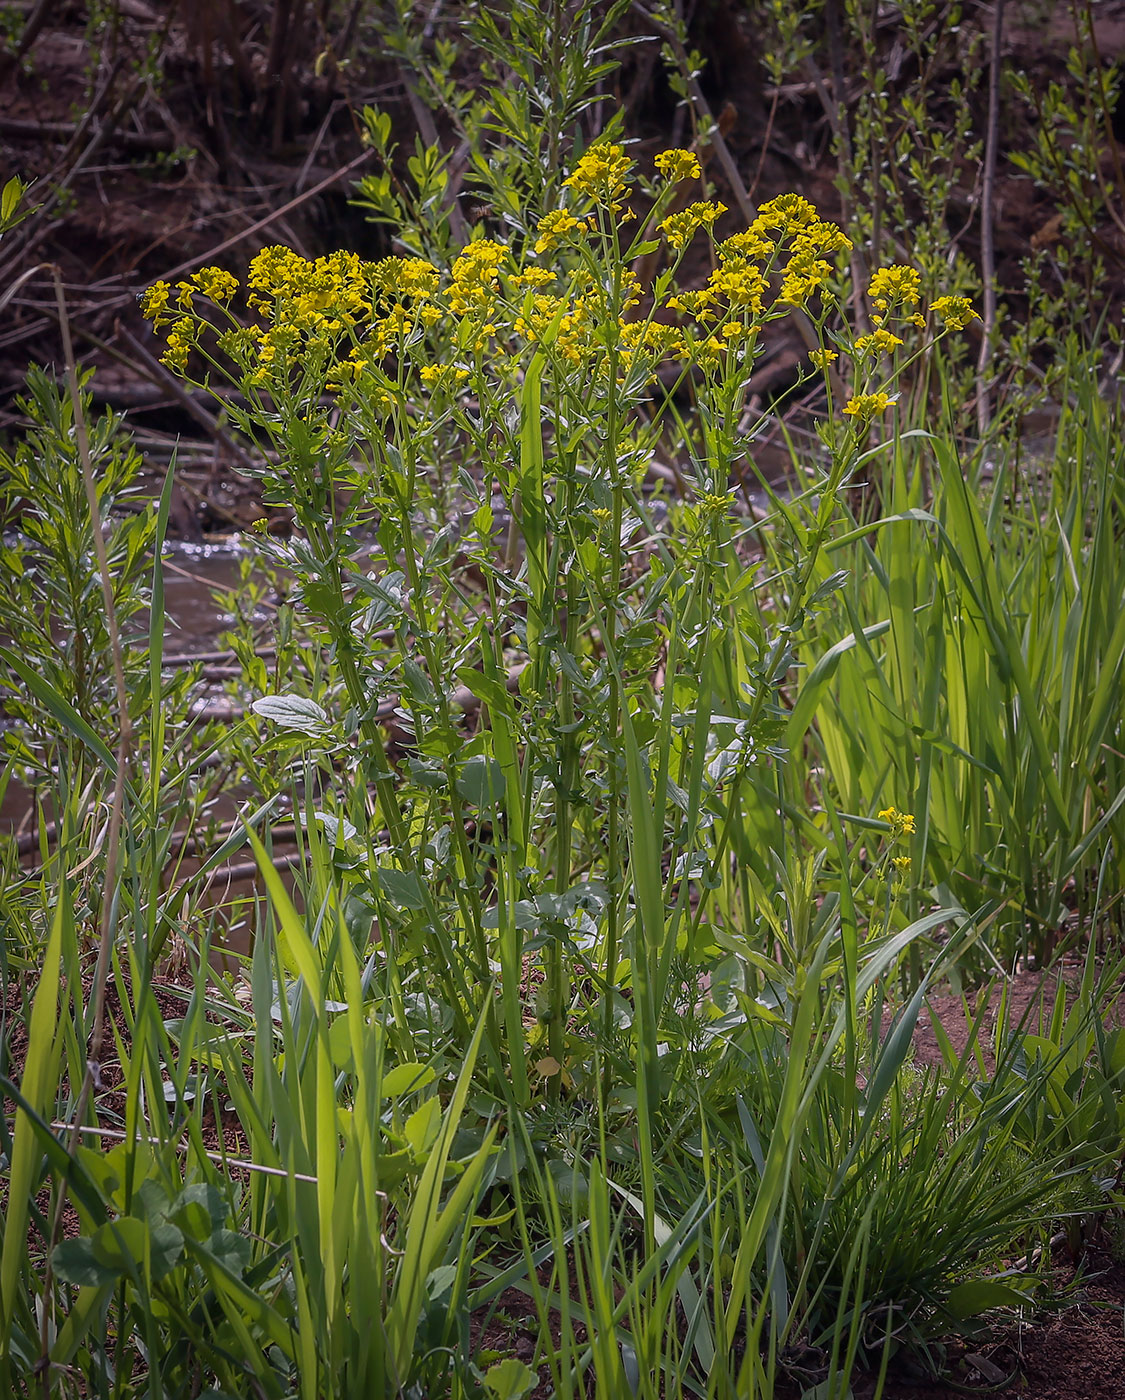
(987, 198)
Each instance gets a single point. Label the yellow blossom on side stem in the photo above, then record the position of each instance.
(181, 338)
(901, 823)
(216, 283)
(867, 406)
(879, 340)
(680, 229)
(154, 302)
(553, 228)
(676, 165)
(601, 173)
(750, 245)
(804, 275)
(955, 312)
(899, 283)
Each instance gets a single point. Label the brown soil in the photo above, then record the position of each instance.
(1025, 1000)
(1074, 1352)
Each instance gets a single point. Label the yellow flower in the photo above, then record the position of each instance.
(866, 406)
(804, 275)
(601, 173)
(898, 284)
(153, 303)
(901, 823)
(553, 228)
(180, 340)
(750, 245)
(823, 358)
(216, 283)
(740, 284)
(788, 212)
(880, 340)
(822, 238)
(417, 277)
(902, 865)
(680, 229)
(443, 376)
(475, 276)
(955, 312)
(676, 165)
(534, 276)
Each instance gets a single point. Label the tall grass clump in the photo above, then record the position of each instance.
(971, 668)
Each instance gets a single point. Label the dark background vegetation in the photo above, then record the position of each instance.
(160, 137)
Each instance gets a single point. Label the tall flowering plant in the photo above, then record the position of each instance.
(464, 450)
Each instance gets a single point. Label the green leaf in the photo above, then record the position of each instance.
(510, 1379)
(482, 783)
(199, 1210)
(401, 888)
(978, 1295)
(292, 712)
(74, 1261)
(9, 200)
(422, 1127)
(39, 1085)
(231, 1250)
(405, 1079)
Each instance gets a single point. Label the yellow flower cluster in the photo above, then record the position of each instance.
(404, 277)
(475, 277)
(652, 340)
(553, 228)
(955, 312)
(879, 341)
(867, 406)
(533, 277)
(601, 174)
(154, 303)
(814, 240)
(788, 212)
(804, 275)
(676, 165)
(741, 285)
(822, 238)
(320, 296)
(337, 319)
(751, 245)
(181, 338)
(679, 229)
(899, 284)
(443, 376)
(901, 823)
(574, 324)
(215, 283)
